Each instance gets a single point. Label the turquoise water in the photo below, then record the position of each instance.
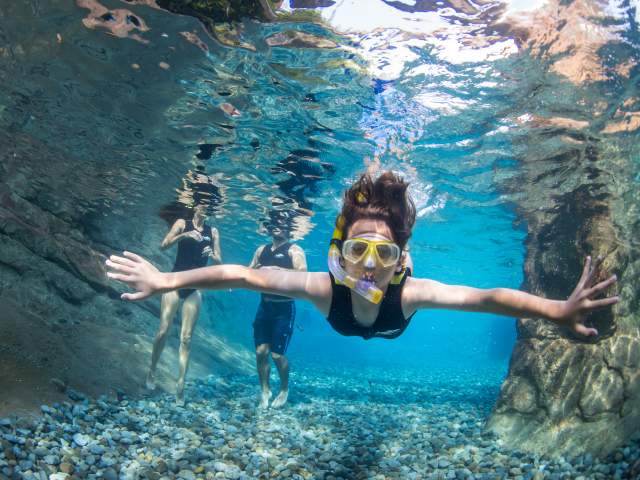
(118, 116)
(126, 121)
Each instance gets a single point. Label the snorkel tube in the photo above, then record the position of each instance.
(368, 290)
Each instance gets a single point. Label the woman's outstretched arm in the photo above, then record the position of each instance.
(423, 293)
(147, 280)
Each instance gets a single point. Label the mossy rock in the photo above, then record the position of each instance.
(217, 11)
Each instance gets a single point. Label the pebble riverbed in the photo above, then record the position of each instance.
(338, 424)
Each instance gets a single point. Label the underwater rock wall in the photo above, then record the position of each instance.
(563, 394)
(63, 324)
(79, 180)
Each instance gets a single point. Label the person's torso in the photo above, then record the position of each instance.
(390, 322)
(278, 257)
(189, 254)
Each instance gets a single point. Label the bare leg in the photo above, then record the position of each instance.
(190, 312)
(283, 369)
(168, 307)
(263, 365)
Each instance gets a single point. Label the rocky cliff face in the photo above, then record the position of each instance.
(577, 194)
(565, 394)
(80, 178)
(63, 325)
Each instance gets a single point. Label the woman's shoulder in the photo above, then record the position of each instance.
(414, 289)
(295, 248)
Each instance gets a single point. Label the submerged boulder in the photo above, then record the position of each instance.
(564, 394)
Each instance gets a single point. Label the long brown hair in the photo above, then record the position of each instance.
(384, 198)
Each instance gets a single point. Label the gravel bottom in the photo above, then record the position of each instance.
(338, 424)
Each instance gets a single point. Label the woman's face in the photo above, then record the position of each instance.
(369, 268)
(277, 233)
(200, 213)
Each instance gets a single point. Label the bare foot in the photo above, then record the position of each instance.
(281, 399)
(151, 381)
(180, 393)
(264, 399)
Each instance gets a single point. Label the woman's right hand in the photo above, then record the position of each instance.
(137, 273)
(193, 234)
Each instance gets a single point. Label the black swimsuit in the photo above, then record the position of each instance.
(190, 253)
(276, 258)
(390, 322)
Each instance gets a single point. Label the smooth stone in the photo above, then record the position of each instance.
(187, 475)
(96, 449)
(151, 475)
(78, 410)
(74, 395)
(109, 474)
(161, 466)
(13, 439)
(80, 439)
(41, 451)
(107, 461)
(52, 460)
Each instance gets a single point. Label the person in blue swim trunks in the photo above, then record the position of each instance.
(273, 324)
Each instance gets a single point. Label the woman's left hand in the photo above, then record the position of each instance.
(582, 301)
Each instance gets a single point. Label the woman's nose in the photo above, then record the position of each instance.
(369, 260)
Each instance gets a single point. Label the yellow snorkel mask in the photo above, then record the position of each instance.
(366, 289)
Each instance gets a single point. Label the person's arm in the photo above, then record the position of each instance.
(424, 293)
(254, 261)
(142, 276)
(298, 258)
(174, 234)
(216, 254)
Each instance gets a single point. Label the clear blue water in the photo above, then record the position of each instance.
(115, 116)
(122, 123)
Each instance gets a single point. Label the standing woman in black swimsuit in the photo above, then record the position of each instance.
(197, 243)
(369, 291)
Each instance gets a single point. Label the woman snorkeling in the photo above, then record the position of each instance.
(369, 290)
